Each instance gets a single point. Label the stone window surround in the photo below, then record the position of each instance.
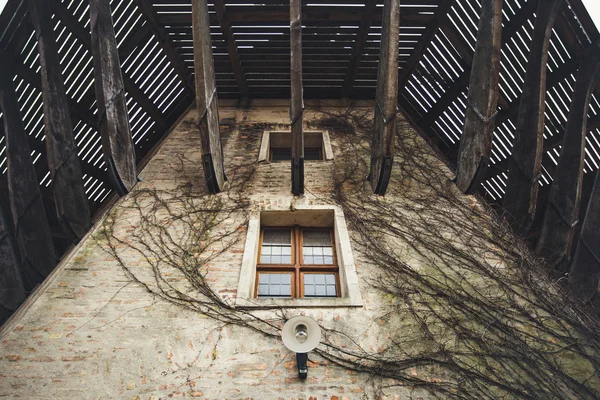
(305, 216)
(265, 144)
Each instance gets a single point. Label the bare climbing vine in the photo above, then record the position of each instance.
(470, 312)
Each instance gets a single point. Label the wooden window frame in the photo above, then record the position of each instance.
(297, 268)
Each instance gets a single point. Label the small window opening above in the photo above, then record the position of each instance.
(277, 146)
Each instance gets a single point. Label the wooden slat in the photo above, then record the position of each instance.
(386, 103)
(72, 206)
(476, 141)
(110, 94)
(206, 99)
(297, 100)
(32, 230)
(359, 47)
(310, 16)
(526, 161)
(565, 194)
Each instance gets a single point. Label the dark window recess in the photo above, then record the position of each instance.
(312, 154)
(281, 154)
(280, 146)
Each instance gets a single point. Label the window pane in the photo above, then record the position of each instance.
(320, 285)
(276, 246)
(317, 247)
(274, 285)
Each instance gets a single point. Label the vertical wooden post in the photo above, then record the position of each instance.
(113, 120)
(386, 99)
(32, 230)
(72, 206)
(585, 269)
(522, 187)
(206, 99)
(565, 193)
(297, 100)
(476, 141)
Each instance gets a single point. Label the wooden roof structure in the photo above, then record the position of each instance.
(251, 48)
(340, 59)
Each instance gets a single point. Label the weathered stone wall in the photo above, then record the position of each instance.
(94, 333)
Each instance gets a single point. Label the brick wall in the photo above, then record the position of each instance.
(92, 333)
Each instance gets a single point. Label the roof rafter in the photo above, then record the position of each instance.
(359, 47)
(236, 65)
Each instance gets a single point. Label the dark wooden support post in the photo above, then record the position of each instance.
(359, 47)
(522, 188)
(565, 194)
(297, 101)
(72, 206)
(476, 141)
(32, 230)
(113, 120)
(12, 289)
(386, 99)
(585, 269)
(236, 65)
(206, 99)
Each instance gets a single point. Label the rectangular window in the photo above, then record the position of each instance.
(297, 262)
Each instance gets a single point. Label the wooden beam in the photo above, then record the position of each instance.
(359, 47)
(585, 269)
(462, 81)
(417, 54)
(166, 43)
(72, 208)
(297, 101)
(310, 15)
(565, 194)
(386, 99)
(476, 141)
(83, 35)
(117, 144)
(234, 58)
(32, 230)
(206, 99)
(34, 79)
(522, 187)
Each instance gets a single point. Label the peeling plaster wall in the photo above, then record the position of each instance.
(94, 334)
